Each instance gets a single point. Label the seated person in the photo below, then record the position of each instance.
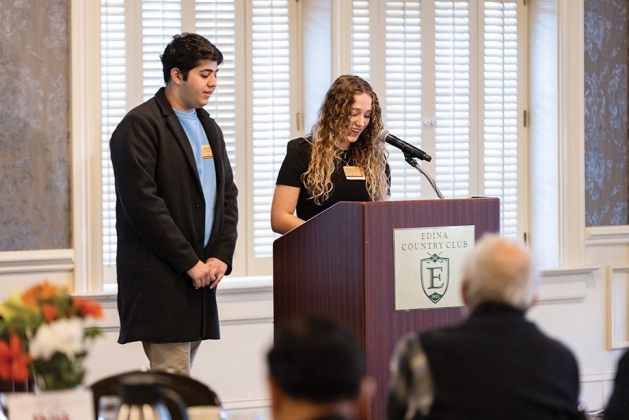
(618, 406)
(494, 365)
(317, 371)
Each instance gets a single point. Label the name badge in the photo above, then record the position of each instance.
(353, 173)
(206, 152)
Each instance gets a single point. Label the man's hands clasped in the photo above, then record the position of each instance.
(209, 273)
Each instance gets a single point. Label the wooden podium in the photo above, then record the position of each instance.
(341, 263)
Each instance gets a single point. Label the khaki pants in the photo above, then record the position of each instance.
(171, 357)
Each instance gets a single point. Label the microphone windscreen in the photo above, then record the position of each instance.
(382, 135)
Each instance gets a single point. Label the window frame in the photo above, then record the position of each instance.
(86, 124)
(377, 15)
(90, 275)
(569, 235)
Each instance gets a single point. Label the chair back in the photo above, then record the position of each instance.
(192, 392)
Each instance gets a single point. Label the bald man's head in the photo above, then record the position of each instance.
(499, 270)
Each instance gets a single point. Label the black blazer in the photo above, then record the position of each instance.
(497, 365)
(160, 213)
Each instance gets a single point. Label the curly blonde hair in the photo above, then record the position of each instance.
(332, 126)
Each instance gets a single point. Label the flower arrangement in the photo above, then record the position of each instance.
(43, 333)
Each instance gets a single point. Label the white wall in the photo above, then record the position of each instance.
(573, 308)
(576, 309)
(234, 366)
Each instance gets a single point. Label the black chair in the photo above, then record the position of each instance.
(9, 386)
(191, 391)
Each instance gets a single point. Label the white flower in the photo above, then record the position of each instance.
(64, 336)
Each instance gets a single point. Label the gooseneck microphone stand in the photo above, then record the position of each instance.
(411, 161)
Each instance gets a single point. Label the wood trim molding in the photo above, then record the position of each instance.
(232, 290)
(597, 377)
(232, 405)
(617, 307)
(23, 262)
(86, 149)
(562, 285)
(114, 327)
(237, 285)
(570, 18)
(340, 35)
(607, 235)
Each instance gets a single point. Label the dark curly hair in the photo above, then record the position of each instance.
(185, 52)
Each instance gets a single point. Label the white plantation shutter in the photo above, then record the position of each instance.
(161, 19)
(131, 79)
(452, 89)
(452, 98)
(270, 69)
(360, 39)
(453, 63)
(113, 99)
(215, 20)
(500, 107)
(403, 97)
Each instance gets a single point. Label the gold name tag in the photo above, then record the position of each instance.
(206, 152)
(353, 173)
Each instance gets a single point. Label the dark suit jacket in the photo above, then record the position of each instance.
(618, 406)
(497, 365)
(160, 213)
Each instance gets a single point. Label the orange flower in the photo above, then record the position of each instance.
(88, 308)
(13, 363)
(40, 291)
(49, 312)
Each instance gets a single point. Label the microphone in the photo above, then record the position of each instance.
(407, 148)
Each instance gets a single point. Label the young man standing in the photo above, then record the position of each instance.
(176, 210)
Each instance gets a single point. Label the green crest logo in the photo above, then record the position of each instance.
(435, 276)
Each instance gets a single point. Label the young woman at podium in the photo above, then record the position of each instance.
(341, 160)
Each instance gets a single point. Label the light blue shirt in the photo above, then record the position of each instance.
(205, 167)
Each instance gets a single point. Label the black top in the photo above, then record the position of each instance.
(296, 163)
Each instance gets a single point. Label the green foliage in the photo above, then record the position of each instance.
(91, 333)
(24, 319)
(59, 372)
